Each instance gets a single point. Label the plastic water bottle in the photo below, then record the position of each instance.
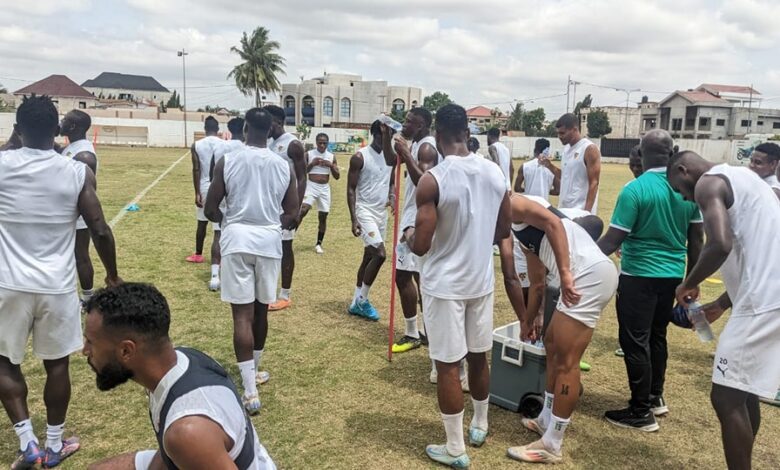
(402, 249)
(700, 323)
(390, 122)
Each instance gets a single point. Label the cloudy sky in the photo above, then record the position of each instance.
(480, 52)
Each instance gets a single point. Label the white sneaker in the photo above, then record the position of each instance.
(214, 283)
(318, 249)
(262, 377)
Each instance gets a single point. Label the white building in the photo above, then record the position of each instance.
(135, 88)
(339, 100)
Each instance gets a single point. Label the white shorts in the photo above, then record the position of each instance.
(521, 265)
(80, 224)
(457, 327)
(406, 260)
(201, 216)
(288, 235)
(747, 355)
(53, 319)
(246, 278)
(319, 193)
(372, 227)
(597, 284)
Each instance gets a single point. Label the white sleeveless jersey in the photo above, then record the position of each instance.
(459, 264)
(574, 177)
(752, 270)
(225, 147)
(504, 158)
(772, 181)
(75, 148)
(538, 180)
(256, 182)
(583, 251)
(279, 146)
(205, 148)
(409, 213)
(39, 192)
(319, 170)
(373, 182)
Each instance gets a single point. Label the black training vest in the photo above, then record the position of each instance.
(531, 237)
(203, 371)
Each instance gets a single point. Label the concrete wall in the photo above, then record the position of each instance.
(137, 95)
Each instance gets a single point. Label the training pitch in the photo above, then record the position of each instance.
(333, 400)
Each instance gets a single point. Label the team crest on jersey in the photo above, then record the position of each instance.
(576, 155)
(371, 234)
(280, 147)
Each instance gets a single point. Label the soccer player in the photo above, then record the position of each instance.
(556, 244)
(74, 126)
(473, 146)
(370, 190)
(197, 415)
(657, 230)
(202, 154)
(741, 218)
(291, 149)
(534, 178)
(421, 157)
(764, 162)
(635, 162)
(14, 141)
(42, 195)
(581, 167)
(457, 276)
(257, 186)
(500, 155)
(320, 165)
(236, 142)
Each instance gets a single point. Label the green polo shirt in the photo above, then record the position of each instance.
(656, 219)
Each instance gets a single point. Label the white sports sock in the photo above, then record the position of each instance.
(433, 367)
(214, 270)
(24, 429)
(453, 426)
(411, 327)
(546, 415)
(258, 354)
(284, 294)
(364, 292)
(480, 419)
(54, 436)
(356, 296)
(87, 294)
(553, 437)
(248, 377)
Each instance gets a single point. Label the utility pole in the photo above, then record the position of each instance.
(625, 118)
(750, 109)
(182, 53)
(568, 85)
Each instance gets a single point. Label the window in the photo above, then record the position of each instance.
(307, 102)
(289, 102)
(676, 124)
(759, 123)
(776, 125)
(720, 122)
(398, 105)
(327, 106)
(745, 123)
(704, 122)
(689, 122)
(346, 107)
(82, 105)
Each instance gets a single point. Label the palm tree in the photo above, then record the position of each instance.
(257, 73)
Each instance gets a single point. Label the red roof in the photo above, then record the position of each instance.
(55, 85)
(727, 88)
(479, 111)
(701, 96)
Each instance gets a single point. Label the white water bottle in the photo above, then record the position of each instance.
(700, 323)
(390, 122)
(402, 249)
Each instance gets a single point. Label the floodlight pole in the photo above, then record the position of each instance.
(182, 53)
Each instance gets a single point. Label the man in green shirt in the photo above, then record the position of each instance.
(657, 229)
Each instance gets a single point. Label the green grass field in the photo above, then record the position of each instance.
(333, 400)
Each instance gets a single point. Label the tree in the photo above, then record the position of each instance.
(515, 121)
(3, 90)
(173, 101)
(257, 74)
(549, 131)
(533, 121)
(435, 101)
(585, 103)
(598, 123)
(304, 130)
(399, 116)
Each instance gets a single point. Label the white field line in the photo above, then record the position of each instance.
(140, 195)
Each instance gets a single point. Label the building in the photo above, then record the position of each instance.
(623, 121)
(64, 92)
(485, 118)
(711, 112)
(120, 86)
(341, 100)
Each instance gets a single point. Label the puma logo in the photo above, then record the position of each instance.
(722, 371)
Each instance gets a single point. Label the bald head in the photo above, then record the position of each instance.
(684, 170)
(656, 147)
